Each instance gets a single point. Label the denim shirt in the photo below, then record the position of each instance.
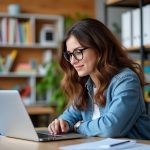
(124, 114)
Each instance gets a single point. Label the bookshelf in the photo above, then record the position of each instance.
(142, 49)
(133, 5)
(23, 52)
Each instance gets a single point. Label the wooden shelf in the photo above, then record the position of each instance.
(16, 75)
(33, 46)
(36, 112)
(122, 2)
(27, 16)
(136, 49)
(133, 49)
(125, 3)
(147, 46)
(40, 110)
(147, 100)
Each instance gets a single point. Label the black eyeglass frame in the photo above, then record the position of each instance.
(73, 54)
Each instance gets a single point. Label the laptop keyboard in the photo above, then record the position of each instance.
(44, 135)
(41, 135)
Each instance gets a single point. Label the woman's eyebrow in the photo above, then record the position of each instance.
(74, 49)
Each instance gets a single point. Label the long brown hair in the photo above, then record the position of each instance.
(112, 58)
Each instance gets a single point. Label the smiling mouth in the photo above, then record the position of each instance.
(78, 67)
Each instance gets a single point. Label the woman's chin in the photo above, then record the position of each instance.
(81, 74)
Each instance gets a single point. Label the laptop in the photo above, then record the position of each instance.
(15, 121)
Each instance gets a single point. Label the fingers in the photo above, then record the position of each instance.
(64, 126)
(54, 127)
(50, 128)
(58, 126)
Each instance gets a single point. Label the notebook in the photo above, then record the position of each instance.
(16, 123)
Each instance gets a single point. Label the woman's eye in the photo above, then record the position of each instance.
(78, 52)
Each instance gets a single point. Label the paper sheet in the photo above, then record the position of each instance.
(102, 145)
(140, 147)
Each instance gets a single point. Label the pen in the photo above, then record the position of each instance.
(116, 144)
(113, 145)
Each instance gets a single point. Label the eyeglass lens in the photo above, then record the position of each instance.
(77, 53)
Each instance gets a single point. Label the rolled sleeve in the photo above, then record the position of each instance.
(71, 115)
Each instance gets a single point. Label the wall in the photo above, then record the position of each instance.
(63, 7)
(100, 10)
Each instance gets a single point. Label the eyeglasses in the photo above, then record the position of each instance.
(77, 53)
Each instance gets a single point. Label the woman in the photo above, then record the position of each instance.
(103, 85)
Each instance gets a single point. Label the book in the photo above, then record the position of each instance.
(136, 27)
(11, 30)
(126, 24)
(146, 24)
(25, 68)
(10, 60)
(26, 91)
(4, 30)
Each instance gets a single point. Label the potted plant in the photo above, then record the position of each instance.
(51, 82)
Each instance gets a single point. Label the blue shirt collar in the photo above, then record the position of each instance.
(89, 85)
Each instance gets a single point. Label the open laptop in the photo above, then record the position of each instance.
(15, 121)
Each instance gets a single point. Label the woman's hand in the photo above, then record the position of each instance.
(58, 126)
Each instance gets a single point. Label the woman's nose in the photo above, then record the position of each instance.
(73, 60)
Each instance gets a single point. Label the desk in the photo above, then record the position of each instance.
(16, 144)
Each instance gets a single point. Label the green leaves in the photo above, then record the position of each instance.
(51, 82)
(69, 20)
